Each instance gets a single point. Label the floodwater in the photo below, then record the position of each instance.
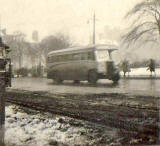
(143, 86)
(134, 86)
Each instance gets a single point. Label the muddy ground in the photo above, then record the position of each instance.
(26, 127)
(134, 118)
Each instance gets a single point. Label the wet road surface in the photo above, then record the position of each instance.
(131, 86)
(131, 114)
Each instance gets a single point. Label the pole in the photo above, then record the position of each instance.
(2, 97)
(94, 36)
(2, 103)
(2, 108)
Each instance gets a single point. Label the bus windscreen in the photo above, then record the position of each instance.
(102, 55)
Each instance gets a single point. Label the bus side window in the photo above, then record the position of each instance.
(70, 57)
(62, 58)
(84, 56)
(90, 56)
(76, 56)
(52, 59)
(56, 59)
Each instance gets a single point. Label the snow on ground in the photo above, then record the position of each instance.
(36, 130)
(27, 127)
(142, 72)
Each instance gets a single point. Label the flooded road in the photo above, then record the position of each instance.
(131, 86)
(131, 114)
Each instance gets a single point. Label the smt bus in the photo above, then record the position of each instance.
(82, 63)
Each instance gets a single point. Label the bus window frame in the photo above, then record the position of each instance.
(92, 55)
(86, 55)
(102, 60)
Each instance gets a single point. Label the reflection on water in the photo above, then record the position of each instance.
(148, 85)
(152, 85)
(125, 84)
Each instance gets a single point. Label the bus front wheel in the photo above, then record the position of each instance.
(92, 77)
(116, 78)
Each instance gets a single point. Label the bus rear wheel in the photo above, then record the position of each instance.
(76, 81)
(58, 81)
(57, 78)
(92, 77)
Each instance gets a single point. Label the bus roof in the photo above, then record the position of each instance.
(110, 48)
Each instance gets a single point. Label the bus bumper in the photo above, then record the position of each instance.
(114, 76)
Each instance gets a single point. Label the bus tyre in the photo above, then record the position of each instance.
(92, 77)
(57, 78)
(116, 78)
(76, 81)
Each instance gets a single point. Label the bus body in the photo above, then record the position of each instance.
(82, 63)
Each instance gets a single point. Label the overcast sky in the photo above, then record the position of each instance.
(72, 17)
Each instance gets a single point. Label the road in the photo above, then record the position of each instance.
(136, 116)
(132, 86)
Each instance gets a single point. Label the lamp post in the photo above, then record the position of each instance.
(94, 27)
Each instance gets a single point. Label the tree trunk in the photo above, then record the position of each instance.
(20, 60)
(124, 75)
(20, 63)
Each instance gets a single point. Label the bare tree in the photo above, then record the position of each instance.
(54, 42)
(17, 44)
(146, 23)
